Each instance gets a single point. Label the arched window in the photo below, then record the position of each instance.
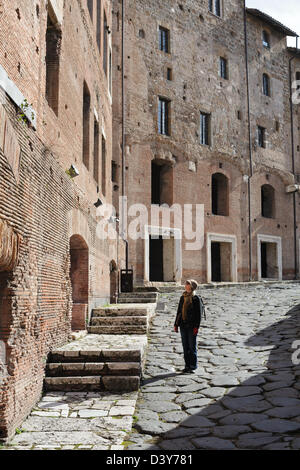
(220, 196)
(266, 85)
(268, 201)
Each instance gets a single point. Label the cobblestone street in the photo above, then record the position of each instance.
(245, 394)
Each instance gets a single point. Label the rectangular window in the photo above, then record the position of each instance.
(163, 116)
(169, 74)
(266, 85)
(99, 23)
(96, 151)
(204, 128)
(90, 7)
(103, 166)
(261, 136)
(215, 7)
(86, 126)
(114, 170)
(53, 43)
(105, 44)
(223, 68)
(110, 73)
(266, 39)
(298, 80)
(164, 39)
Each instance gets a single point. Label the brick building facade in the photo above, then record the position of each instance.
(53, 266)
(208, 120)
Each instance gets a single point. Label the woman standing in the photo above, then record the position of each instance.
(188, 318)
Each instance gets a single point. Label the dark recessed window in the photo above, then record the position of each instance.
(169, 74)
(266, 39)
(223, 68)
(204, 128)
(164, 39)
(298, 80)
(164, 116)
(215, 7)
(266, 85)
(261, 131)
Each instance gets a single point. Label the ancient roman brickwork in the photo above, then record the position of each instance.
(62, 268)
(197, 72)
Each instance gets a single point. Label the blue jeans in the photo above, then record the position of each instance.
(189, 344)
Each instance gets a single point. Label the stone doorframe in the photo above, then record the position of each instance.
(217, 237)
(177, 235)
(269, 239)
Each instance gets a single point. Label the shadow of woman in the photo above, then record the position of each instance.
(262, 412)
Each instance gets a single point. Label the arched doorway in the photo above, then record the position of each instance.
(79, 275)
(113, 281)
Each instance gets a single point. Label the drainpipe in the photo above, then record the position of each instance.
(250, 143)
(293, 161)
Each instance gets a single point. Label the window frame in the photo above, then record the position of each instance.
(266, 85)
(223, 67)
(205, 119)
(266, 39)
(215, 7)
(164, 116)
(162, 42)
(261, 137)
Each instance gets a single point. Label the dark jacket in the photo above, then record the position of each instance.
(193, 313)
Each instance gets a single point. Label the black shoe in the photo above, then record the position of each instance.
(186, 370)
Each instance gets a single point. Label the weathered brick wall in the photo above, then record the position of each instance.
(45, 207)
(198, 40)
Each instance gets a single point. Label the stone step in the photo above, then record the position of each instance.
(118, 330)
(104, 356)
(148, 294)
(107, 383)
(136, 300)
(84, 369)
(119, 321)
(118, 313)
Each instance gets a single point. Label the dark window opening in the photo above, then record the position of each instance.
(91, 8)
(105, 33)
(268, 201)
(114, 172)
(266, 85)
(298, 80)
(103, 166)
(205, 129)
(86, 126)
(156, 259)
(163, 116)
(164, 39)
(223, 68)
(261, 136)
(99, 23)
(161, 183)
(220, 196)
(266, 39)
(169, 74)
(53, 45)
(215, 7)
(96, 151)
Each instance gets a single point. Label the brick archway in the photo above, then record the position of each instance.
(79, 275)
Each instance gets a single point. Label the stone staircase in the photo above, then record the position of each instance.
(122, 319)
(106, 370)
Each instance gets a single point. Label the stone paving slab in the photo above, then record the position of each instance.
(93, 421)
